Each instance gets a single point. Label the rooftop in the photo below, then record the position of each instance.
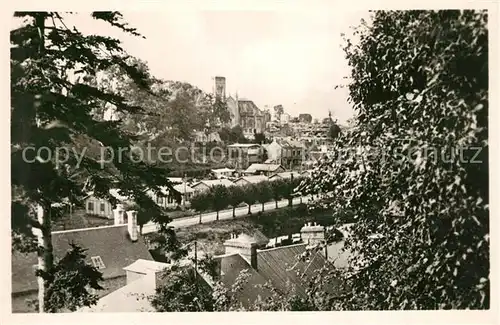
(130, 298)
(253, 179)
(223, 170)
(110, 243)
(243, 145)
(146, 266)
(263, 167)
(214, 182)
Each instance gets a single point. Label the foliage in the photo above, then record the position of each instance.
(306, 118)
(260, 138)
(168, 244)
(70, 280)
(420, 90)
(182, 290)
(53, 107)
(236, 196)
(263, 193)
(334, 131)
(201, 202)
(276, 192)
(219, 194)
(278, 111)
(233, 135)
(250, 195)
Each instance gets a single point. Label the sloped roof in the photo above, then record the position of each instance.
(282, 265)
(243, 145)
(181, 188)
(223, 170)
(285, 175)
(145, 266)
(253, 179)
(259, 237)
(262, 167)
(231, 267)
(214, 182)
(130, 298)
(111, 243)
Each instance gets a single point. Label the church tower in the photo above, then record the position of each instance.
(220, 87)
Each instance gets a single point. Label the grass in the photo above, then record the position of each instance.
(80, 220)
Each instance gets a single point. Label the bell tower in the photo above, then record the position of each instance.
(220, 87)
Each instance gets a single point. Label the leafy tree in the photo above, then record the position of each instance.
(169, 244)
(250, 196)
(287, 188)
(182, 290)
(201, 202)
(263, 193)
(53, 107)
(219, 195)
(260, 138)
(276, 190)
(278, 111)
(306, 118)
(70, 280)
(236, 196)
(420, 90)
(334, 131)
(234, 135)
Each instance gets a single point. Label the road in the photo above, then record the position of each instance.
(223, 215)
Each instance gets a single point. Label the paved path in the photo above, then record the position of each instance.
(223, 215)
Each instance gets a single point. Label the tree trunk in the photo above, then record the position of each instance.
(217, 215)
(290, 201)
(262, 207)
(249, 209)
(276, 202)
(234, 212)
(45, 253)
(200, 219)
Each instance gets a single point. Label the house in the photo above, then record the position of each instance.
(100, 206)
(180, 195)
(306, 173)
(142, 279)
(284, 175)
(242, 155)
(265, 169)
(253, 179)
(279, 266)
(109, 248)
(288, 153)
(202, 137)
(223, 172)
(207, 184)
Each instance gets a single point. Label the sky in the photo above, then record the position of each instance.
(288, 57)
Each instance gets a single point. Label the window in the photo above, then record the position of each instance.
(159, 200)
(90, 206)
(103, 208)
(98, 263)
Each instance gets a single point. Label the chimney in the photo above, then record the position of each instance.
(312, 234)
(244, 245)
(119, 215)
(133, 230)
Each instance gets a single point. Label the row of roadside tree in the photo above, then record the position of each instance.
(220, 197)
